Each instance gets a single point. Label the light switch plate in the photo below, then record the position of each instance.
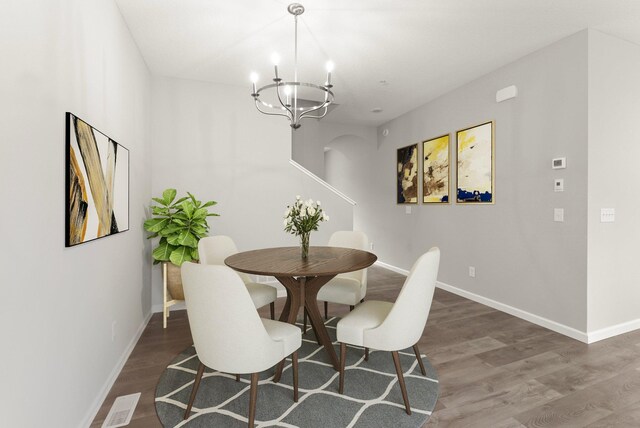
(407, 209)
(607, 215)
(558, 185)
(558, 214)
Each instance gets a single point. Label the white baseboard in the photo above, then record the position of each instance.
(528, 316)
(97, 403)
(392, 268)
(607, 332)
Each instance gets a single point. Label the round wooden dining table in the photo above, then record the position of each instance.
(303, 278)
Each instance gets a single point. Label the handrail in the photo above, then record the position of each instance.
(321, 181)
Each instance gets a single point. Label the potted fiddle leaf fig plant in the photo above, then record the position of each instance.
(180, 224)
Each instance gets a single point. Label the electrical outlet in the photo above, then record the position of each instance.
(472, 271)
(371, 246)
(407, 209)
(113, 330)
(607, 215)
(558, 214)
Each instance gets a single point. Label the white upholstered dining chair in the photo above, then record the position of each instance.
(347, 288)
(214, 249)
(228, 334)
(393, 326)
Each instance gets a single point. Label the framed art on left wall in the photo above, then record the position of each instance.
(96, 184)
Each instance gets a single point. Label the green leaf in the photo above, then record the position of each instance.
(177, 203)
(187, 239)
(169, 195)
(160, 201)
(178, 221)
(194, 254)
(188, 208)
(160, 211)
(198, 229)
(173, 239)
(172, 228)
(213, 215)
(180, 255)
(163, 251)
(153, 235)
(200, 213)
(208, 204)
(155, 225)
(181, 216)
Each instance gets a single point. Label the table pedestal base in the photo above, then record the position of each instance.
(303, 291)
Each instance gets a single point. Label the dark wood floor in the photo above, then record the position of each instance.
(495, 370)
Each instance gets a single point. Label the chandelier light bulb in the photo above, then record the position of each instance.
(287, 90)
(330, 66)
(275, 58)
(253, 77)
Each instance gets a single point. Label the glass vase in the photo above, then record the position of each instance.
(304, 245)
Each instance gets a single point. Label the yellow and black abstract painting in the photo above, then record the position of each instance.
(407, 175)
(97, 184)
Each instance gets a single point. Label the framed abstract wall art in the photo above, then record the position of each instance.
(435, 170)
(475, 173)
(97, 184)
(407, 175)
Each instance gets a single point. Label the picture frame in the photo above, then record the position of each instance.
(436, 170)
(96, 184)
(407, 171)
(475, 164)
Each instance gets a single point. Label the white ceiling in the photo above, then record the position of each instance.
(422, 48)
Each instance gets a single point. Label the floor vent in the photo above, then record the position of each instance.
(121, 411)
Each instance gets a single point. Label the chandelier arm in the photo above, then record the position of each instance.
(325, 104)
(280, 98)
(270, 113)
(320, 116)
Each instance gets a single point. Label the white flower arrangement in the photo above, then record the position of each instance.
(303, 217)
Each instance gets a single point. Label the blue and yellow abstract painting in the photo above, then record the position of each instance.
(475, 164)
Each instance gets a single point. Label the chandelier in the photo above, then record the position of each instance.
(285, 96)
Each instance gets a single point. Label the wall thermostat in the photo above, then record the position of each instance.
(559, 163)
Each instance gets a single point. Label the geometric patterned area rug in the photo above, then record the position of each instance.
(371, 398)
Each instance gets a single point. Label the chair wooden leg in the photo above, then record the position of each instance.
(362, 300)
(366, 354)
(343, 360)
(326, 310)
(279, 367)
(351, 307)
(272, 308)
(237, 378)
(253, 395)
(304, 322)
(194, 390)
(294, 357)
(403, 387)
(417, 352)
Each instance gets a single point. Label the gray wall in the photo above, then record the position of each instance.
(523, 259)
(57, 353)
(614, 110)
(307, 146)
(208, 139)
